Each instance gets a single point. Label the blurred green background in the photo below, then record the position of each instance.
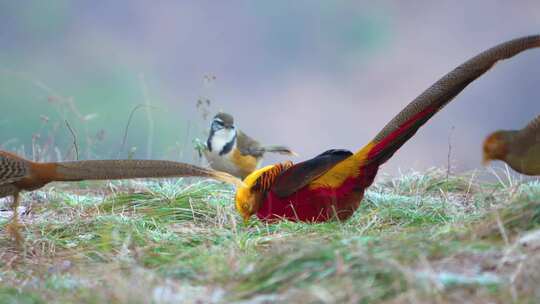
(51, 71)
(92, 64)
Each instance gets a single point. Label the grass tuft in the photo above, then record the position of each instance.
(417, 238)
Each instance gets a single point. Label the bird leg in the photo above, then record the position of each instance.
(13, 227)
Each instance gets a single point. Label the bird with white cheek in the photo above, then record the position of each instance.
(231, 150)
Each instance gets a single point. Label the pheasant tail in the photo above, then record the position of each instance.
(124, 169)
(404, 125)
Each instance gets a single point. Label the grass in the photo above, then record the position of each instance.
(418, 238)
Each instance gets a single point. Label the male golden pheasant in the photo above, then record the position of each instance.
(18, 174)
(331, 185)
(520, 149)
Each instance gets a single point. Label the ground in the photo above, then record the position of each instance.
(418, 238)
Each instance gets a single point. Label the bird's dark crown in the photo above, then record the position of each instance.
(225, 119)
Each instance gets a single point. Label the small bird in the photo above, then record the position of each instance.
(520, 149)
(332, 185)
(18, 174)
(231, 150)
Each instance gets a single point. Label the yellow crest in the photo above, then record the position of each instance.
(249, 196)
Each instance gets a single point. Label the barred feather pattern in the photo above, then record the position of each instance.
(267, 179)
(12, 170)
(125, 169)
(446, 88)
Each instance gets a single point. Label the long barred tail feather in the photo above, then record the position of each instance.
(125, 169)
(405, 124)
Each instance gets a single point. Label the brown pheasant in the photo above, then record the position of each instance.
(18, 174)
(520, 149)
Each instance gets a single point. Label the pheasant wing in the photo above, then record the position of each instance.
(301, 174)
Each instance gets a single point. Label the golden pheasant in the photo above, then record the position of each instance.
(331, 185)
(18, 174)
(231, 150)
(520, 149)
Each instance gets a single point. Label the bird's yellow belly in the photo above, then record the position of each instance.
(233, 163)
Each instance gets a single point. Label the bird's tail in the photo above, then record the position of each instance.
(128, 169)
(280, 150)
(405, 124)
